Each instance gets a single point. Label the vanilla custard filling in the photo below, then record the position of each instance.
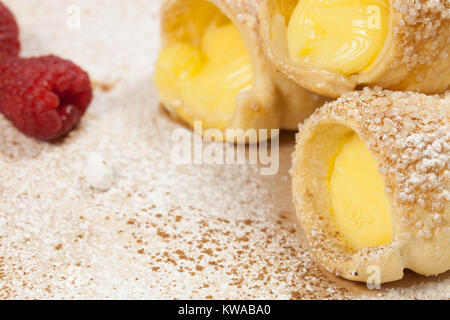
(343, 36)
(360, 208)
(200, 75)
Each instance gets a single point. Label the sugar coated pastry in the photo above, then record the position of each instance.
(371, 184)
(336, 46)
(212, 68)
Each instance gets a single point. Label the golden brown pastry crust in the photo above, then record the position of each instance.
(274, 102)
(416, 56)
(409, 136)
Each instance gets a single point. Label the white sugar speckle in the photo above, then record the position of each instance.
(162, 230)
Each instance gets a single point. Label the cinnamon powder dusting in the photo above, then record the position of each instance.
(161, 230)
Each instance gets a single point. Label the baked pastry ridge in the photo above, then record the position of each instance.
(371, 184)
(212, 68)
(336, 46)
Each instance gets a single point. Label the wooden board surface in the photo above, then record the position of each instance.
(162, 230)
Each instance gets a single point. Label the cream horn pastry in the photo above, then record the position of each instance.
(336, 46)
(212, 69)
(371, 184)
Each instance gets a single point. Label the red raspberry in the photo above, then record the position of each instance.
(44, 97)
(9, 34)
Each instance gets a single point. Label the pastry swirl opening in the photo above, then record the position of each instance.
(349, 191)
(344, 36)
(359, 206)
(204, 64)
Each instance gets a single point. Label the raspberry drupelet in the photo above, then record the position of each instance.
(43, 97)
(9, 34)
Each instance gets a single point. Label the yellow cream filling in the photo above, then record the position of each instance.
(338, 35)
(200, 77)
(360, 208)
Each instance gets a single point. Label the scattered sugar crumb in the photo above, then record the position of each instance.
(99, 173)
(162, 230)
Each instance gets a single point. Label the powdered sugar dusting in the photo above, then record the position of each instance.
(157, 230)
(408, 134)
(414, 129)
(161, 230)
